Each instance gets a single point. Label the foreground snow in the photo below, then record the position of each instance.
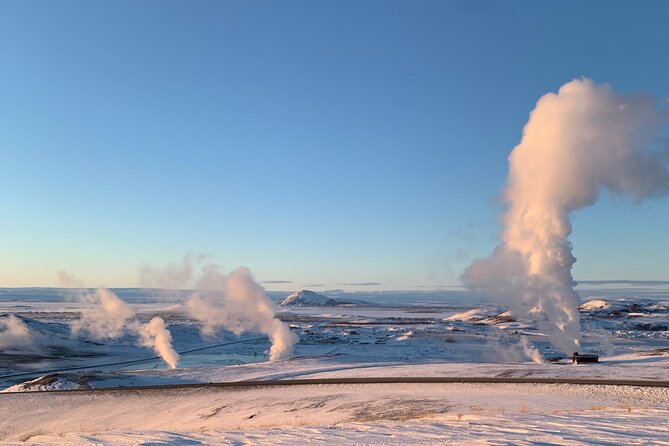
(614, 426)
(336, 414)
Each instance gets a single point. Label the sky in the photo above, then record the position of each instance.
(352, 145)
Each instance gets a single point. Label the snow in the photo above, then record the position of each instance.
(339, 414)
(405, 336)
(608, 427)
(45, 383)
(306, 298)
(595, 304)
(475, 314)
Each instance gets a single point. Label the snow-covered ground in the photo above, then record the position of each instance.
(393, 338)
(350, 414)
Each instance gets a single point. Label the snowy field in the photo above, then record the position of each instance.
(437, 334)
(364, 414)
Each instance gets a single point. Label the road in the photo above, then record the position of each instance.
(372, 380)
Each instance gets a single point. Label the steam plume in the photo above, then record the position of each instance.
(14, 334)
(576, 142)
(154, 334)
(234, 301)
(237, 302)
(106, 316)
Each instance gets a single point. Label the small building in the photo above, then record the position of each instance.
(582, 359)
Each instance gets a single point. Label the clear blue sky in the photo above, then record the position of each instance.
(315, 142)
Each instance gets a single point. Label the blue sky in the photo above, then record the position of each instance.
(332, 143)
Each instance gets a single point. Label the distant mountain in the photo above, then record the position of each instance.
(306, 298)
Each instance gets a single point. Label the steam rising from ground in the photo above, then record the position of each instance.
(234, 301)
(14, 334)
(155, 335)
(237, 302)
(106, 316)
(576, 142)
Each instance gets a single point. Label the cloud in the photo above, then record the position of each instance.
(360, 284)
(276, 282)
(624, 282)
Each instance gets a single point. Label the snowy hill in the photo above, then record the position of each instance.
(307, 298)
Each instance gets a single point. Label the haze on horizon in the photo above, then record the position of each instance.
(354, 146)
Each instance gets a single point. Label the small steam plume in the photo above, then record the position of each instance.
(530, 351)
(501, 347)
(15, 334)
(106, 316)
(583, 139)
(234, 301)
(155, 335)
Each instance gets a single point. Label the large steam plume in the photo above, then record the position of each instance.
(583, 139)
(233, 301)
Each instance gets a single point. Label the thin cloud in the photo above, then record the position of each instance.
(624, 282)
(275, 282)
(360, 284)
